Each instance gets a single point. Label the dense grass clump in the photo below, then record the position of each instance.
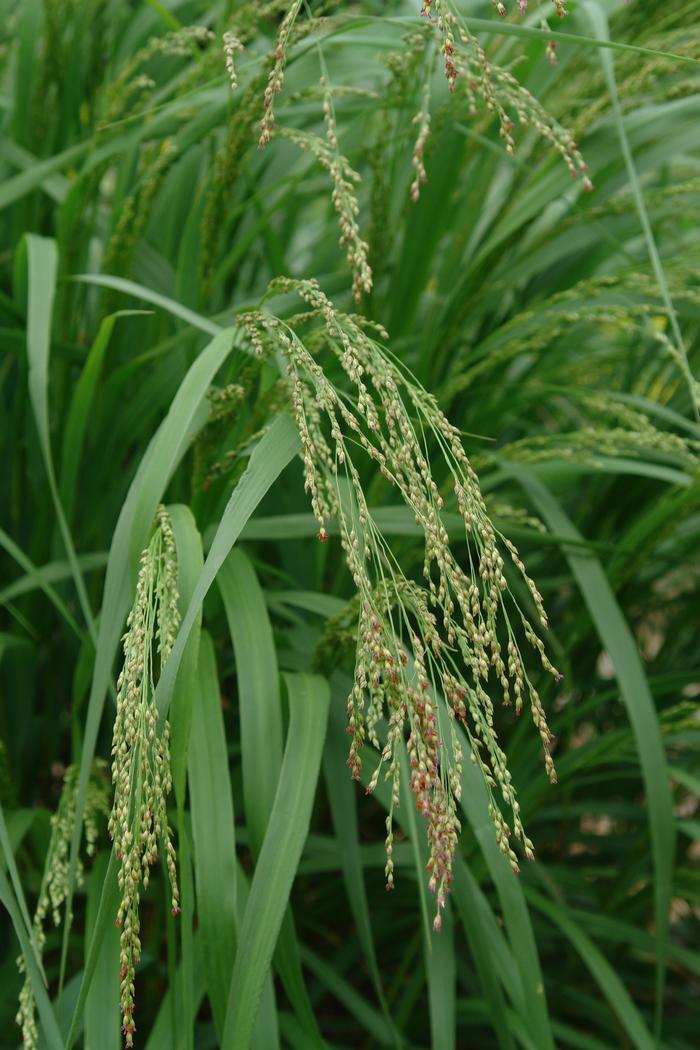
(349, 391)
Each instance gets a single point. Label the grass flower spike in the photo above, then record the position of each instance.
(276, 77)
(54, 884)
(231, 45)
(140, 752)
(343, 195)
(430, 654)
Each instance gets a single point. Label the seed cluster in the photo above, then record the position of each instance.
(466, 62)
(425, 655)
(276, 77)
(55, 882)
(231, 45)
(446, 24)
(501, 10)
(422, 122)
(140, 753)
(344, 195)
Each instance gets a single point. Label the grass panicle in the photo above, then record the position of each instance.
(141, 773)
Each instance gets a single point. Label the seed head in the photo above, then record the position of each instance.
(425, 656)
(55, 882)
(141, 756)
(231, 45)
(276, 77)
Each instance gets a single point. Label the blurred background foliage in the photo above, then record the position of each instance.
(558, 329)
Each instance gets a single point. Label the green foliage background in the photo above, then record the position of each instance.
(136, 218)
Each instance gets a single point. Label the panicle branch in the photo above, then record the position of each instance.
(466, 63)
(55, 880)
(344, 195)
(231, 45)
(276, 77)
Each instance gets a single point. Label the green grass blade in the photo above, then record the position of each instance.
(183, 978)
(9, 860)
(258, 689)
(190, 562)
(266, 1035)
(55, 186)
(279, 857)
(569, 1036)
(341, 798)
(261, 742)
(616, 637)
(17, 186)
(104, 921)
(101, 1018)
(40, 577)
(605, 976)
(599, 22)
(165, 15)
(222, 892)
(488, 949)
(42, 265)
(164, 1034)
(80, 408)
(517, 921)
(213, 835)
(371, 1020)
(442, 980)
(46, 1012)
(139, 291)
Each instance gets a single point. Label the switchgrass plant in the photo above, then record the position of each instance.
(319, 360)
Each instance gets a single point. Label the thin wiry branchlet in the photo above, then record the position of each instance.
(344, 195)
(55, 881)
(276, 77)
(346, 205)
(446, 25)
(466, 63)
(503, 95)
(551, 47)
(141, 755)
(422, 122)
(425, 655)
(231, 45)
(501, 9)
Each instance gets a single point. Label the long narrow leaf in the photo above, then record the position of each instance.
(279, 857)
(261, 742)
(213, 834)
(46, 1013)
(616, 637)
